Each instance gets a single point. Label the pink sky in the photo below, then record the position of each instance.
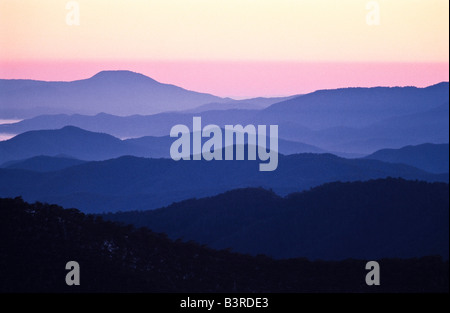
(244, 79)
(236, 48)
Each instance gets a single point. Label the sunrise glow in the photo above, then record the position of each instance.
(230, 47)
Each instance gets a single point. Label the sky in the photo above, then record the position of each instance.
(237, 48)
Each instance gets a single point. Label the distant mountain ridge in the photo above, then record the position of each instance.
(131, 183)
(358, 107)
(353, 120)
(43, 163)
(90, 146)
(245, 104)
(433, 158)
(115, 92)
(119, 92)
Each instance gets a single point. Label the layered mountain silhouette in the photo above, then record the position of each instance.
(102, 145)
(116, 92)
(395, 132)
(43, 163)
(71, 141)
(38, 240)
(432, 158)
(131, 183)
(358, 107)
(352, 120)
(85, 145)
(369, 220)
(246, 104)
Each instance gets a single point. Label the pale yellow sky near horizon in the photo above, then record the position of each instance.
(256, 30)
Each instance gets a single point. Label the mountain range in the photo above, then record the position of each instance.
(113, 92)
(357, 107)
(132, 183)
(90, 146)
(245, 104)
(356, 121)
(362, 174)
(38, 239)
(74, 143)
(330, 222)
(43, 163)
(429, 157)
(116, 92)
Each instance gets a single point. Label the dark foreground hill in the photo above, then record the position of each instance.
(37, 240)
(364, 220)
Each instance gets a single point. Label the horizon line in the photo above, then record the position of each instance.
(245, 80)
(231, 97)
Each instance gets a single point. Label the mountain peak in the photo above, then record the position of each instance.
(71, 128)
(120, 75)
